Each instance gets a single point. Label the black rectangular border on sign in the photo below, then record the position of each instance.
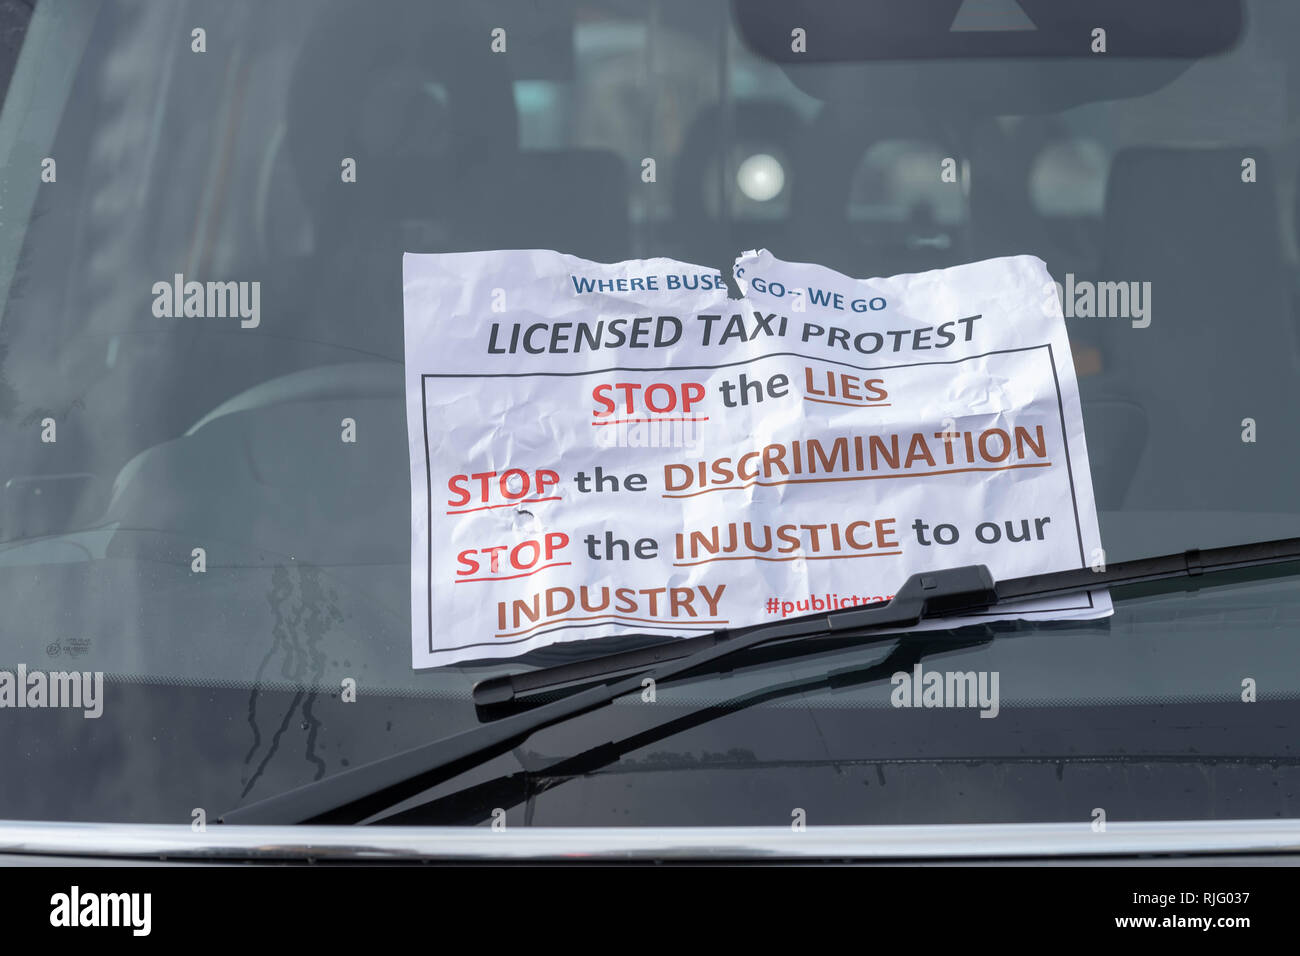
(428, 465)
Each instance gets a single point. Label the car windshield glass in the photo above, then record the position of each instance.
(178, 512)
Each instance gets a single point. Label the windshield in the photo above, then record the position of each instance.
(179, 511)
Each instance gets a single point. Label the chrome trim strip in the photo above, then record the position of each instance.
(379, 843)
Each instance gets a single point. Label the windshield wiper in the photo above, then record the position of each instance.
(505, 688)
(363, 791)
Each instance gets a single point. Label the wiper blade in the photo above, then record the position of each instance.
(496, 691)
(363, 791)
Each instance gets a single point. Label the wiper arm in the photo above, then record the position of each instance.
(359, 792)
(475, 802)
(363, 791)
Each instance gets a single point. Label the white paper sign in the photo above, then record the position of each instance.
(604, 449)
